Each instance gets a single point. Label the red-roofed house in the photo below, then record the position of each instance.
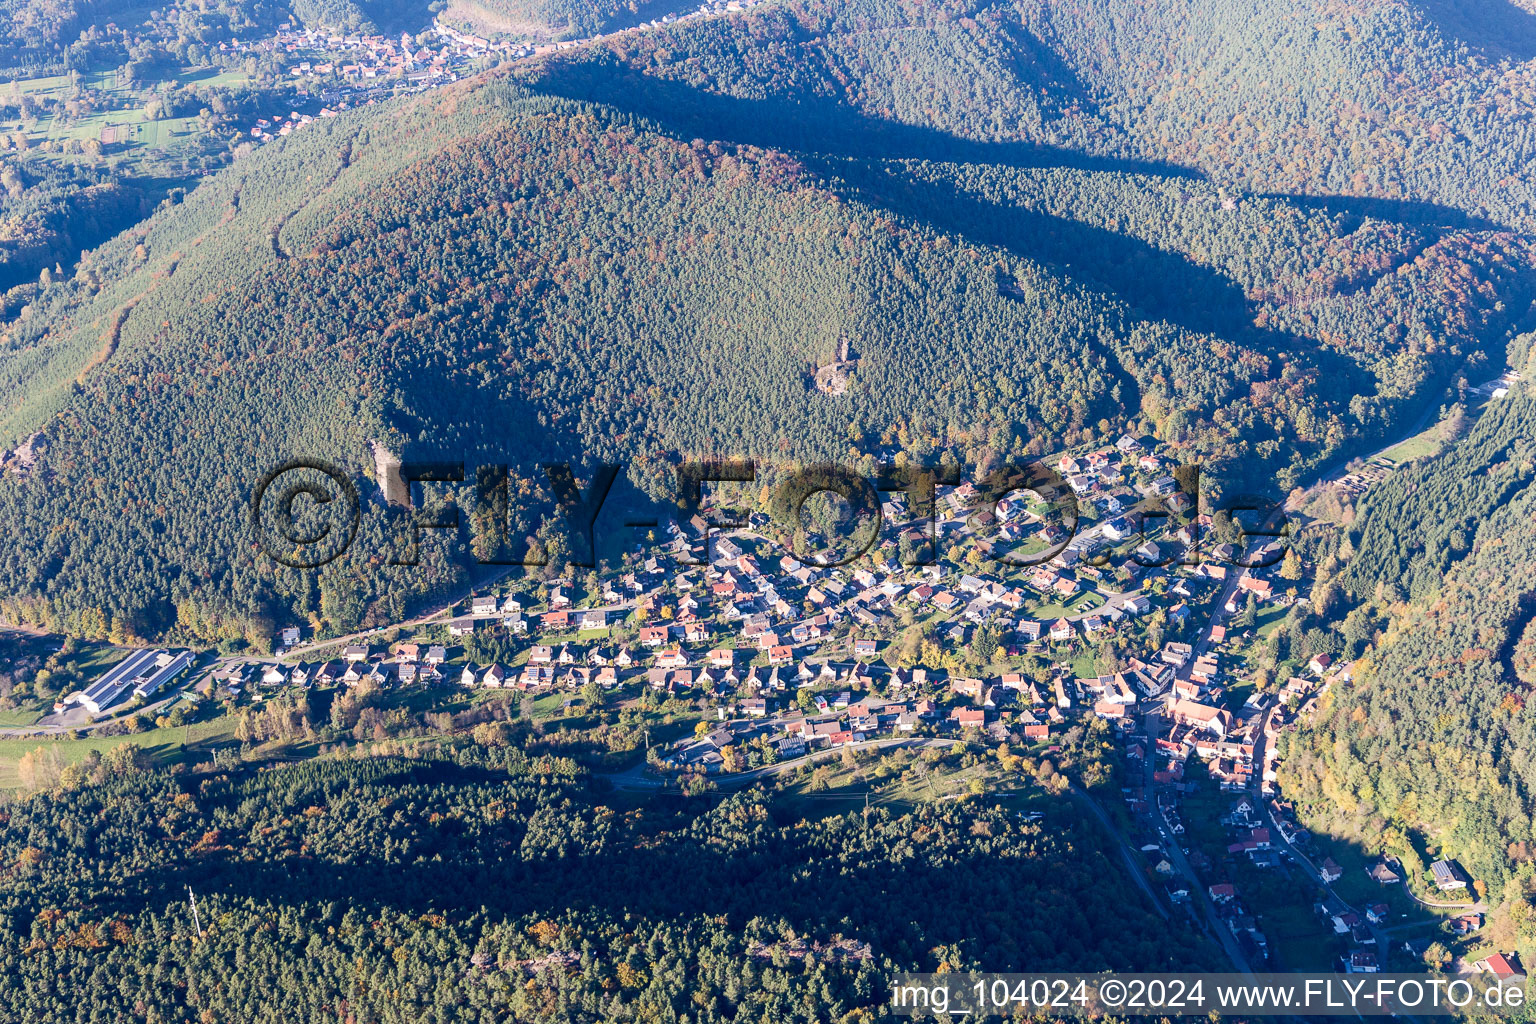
(969, 718)
(1502, 965)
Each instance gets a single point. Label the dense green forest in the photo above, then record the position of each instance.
(48, 214)
(642, 250)
(994, 121)
(53, 36)
(1403, 101)
(484, 885)
(361, 15)
(1431, 746)
(514, 278)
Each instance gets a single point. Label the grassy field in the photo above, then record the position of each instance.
(129, 127)
(164, 745)
(1084, 602)
(901, 778)
(1434, 439)
(95, 658)
(1419, 446)
(1238, 693)
(1268, 618)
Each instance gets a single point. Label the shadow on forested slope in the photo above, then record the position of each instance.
(1496, 27)
(983, 895)
(816, 125)
(849, 149)
(1426, 216)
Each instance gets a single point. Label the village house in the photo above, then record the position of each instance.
(969, 718)
(1446, 876)
(1465, 924)
(966, 686)
(538, 677)
(1217, 721)
(1111, 711)
(1361, 961)
(1503, 966)
(1384, 873)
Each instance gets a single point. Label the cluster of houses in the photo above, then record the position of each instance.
(739, 624)
(743, 627)
(509, 613)
(279, 126)
(1252, 840)
(348, 70)
(354, 68)
(410, 664)
(1364, 954)
(1361, 932)
(776, 604)
(838, 719)
(319, 54)
(1193, 721)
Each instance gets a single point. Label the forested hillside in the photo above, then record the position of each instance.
(48, 215)
(989, 120)
(487, 273)
(386, 16)
(52, 36)
(1431, 747)
(504, 888)
(1397, 100)
(646, 255)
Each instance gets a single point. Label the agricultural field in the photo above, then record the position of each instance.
(123, 118)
